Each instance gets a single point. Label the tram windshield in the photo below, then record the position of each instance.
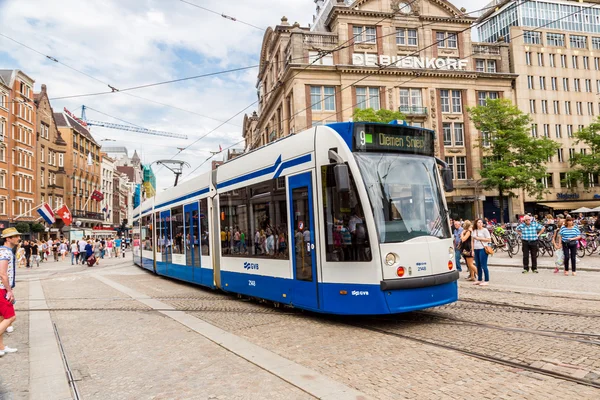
(405, 195)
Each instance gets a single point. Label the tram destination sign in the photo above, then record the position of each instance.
(393, 139)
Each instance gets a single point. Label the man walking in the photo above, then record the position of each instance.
(27, 247)
(82, 243)
(458, 230)
(530, 232)
(7, 280)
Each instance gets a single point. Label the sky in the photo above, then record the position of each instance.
(127, 43)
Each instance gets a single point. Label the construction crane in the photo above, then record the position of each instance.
(130, 128)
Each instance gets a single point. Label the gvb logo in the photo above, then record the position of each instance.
(249, 266)
(359, 293)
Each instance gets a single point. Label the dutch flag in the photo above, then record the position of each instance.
(46, 212)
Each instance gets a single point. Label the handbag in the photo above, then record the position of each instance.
(488, 250)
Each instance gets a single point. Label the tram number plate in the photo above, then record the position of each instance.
(422, 268)
(251, 283)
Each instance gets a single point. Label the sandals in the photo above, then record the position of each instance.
(566, 273)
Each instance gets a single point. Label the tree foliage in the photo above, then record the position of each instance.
(514, 159)
(37, 228)
(381, 116)
(587, 164)
(22, 227)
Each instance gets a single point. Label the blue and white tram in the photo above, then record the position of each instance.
(348, 218)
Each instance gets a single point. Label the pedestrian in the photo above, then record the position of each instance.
(102, 248)
(63, 249)
(530, 232)
(82, 245)
(55, 250)
(89, 252)
(97, 250)
(20, 255)
(35, 253)
(457, 232)
(27, 248)
(481, 238)
(570, 236)
(109, 247)
(45, 250)
(74, 252)
(118, 243)
(11, 238)
(466, 248)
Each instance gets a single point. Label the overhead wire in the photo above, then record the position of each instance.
(234, 19)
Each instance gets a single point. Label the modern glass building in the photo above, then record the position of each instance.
(564, 15)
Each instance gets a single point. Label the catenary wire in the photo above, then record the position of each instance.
(234, 19)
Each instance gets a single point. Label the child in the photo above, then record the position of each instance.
(20, 256)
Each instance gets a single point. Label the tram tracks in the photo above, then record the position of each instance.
(522, 308)
(497, 360)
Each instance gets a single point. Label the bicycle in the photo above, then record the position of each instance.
(545, 245)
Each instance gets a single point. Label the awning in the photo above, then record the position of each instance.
(571, 205)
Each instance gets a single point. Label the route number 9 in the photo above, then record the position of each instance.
(363, 138)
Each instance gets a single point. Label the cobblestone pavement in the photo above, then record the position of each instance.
(120, 348)
(502, 259)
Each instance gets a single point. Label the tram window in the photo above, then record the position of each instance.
(147, 233)
(346, 235)
(159, 234)
(136, 234)
(177, 230)
(204, 229)
(254, 221)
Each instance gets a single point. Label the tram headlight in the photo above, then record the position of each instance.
(390, 259)
(400, 271)
(450, 253)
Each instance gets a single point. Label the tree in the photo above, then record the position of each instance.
(382, 116)
(37, 228)
(22, 227)
(587, 165)
(513, 159)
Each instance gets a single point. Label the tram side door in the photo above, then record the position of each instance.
(302, 241)
(192, 241)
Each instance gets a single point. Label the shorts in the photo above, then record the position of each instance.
(7, 310)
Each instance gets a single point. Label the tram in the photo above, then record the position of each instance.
(347, 218)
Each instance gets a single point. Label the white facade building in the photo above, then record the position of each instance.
(107, 173)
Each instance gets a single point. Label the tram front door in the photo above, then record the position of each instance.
(302, 241)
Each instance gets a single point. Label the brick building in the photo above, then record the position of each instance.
(18, 183)
(51, 150)
(83, 169)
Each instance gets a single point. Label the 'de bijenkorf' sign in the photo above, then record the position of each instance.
(373, 60)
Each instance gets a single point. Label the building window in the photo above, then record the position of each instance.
(571, 153)
(61, 160)
(558, 131)
(540, 59)
(563, 61)
(450, 162)
(575, 61)
(447, 130)
(596, 43)
(491, 65)
(532, 37)
(367, 98)
(482, 97)
(315, 58)
(411, 100)
(586, 62)
(530, 84)
(485, 139)
(542, 82)
(534, 130)
(552, 58)
(480, 65)
(456, 101)
(454, 134)
(528, 57)
(532, 106)
(556, 107)
(570, 131)
(544, 106)
(546, 130)
(406, 37)
(559, 152)
(568, 107)
(597, 63)
(588, 85)
(555, 39)
(554, 83)
(364, 34)
(579, 106)
(577, 85)
(590, 108)
(461, 168)
(322, 98)
(446, 39)
(578, 41)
